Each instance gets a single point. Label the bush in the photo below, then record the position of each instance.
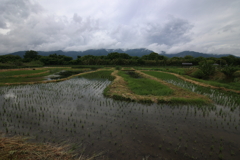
(34, 64)
(229, 71)
(198, 74)
(207, 68)
(118, 67)
(237, 74)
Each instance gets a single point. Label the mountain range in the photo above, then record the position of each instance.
(132, 52)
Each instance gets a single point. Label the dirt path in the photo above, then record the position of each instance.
(201, 84)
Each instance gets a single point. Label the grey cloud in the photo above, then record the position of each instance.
(14, 11)
(3, 24)
(77, 18)
(173, 32)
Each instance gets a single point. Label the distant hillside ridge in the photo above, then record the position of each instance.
(132, 52)
(195, 54)
(95, 52)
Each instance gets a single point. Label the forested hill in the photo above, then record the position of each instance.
(132, 52)
(95, 52)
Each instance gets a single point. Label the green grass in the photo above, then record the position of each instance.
(229, 85)
(144, 86)
(234, 100)
(19, 72)
(161, 75)
(5, 77)
(166, 76)
(165, 69)
(104, 74)
(126, 68)
(92, 67)
(30, 78)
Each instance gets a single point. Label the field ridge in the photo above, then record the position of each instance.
(119, 88)
(200, 83)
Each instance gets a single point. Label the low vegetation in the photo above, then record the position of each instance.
(4, 74)
(203, 89)
(171, 69)
(34, 76)
(144, 86)
(121, 90)
(102, 74)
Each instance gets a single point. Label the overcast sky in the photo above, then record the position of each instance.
(209, 26)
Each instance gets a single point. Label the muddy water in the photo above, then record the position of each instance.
(76, 112)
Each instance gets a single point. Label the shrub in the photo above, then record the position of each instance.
(229, 71)
(118, 67)
(198, 74)
(207, 68)
(237, 74)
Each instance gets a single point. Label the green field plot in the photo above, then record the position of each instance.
(19, 72)
(219, 97)
(177, 70)
(103, 74)
(22, 76)
(144, 86)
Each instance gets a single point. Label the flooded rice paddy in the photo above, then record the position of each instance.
(76, 112)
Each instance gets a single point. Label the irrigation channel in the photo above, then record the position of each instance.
(76, 112)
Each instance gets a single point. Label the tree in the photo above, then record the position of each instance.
(207, 68)
(230, 59)
(113, 55)
(124, 56)
(188, 57)
(10, 58)
(45, 59)
(31, 56)
(229, 71)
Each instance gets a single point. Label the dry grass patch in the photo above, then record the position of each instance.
(18, 148)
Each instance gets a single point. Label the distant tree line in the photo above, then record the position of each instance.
(115, 58)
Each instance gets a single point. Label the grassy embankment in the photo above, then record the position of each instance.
(221, 84)
(14, 76)
(101, 74)
(230, 86)
(171, 69)
(150, 89)
(26, 76)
